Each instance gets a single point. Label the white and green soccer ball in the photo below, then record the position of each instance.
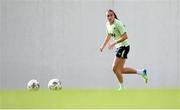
(54, 84)
(33, 85)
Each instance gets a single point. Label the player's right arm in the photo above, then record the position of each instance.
(106, 40)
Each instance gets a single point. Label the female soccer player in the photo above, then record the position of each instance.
(117, 31)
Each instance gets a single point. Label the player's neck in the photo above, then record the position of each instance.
(111, 22)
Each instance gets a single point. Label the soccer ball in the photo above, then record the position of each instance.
(33, 85)
(54, 84)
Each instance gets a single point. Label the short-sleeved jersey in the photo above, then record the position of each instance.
(116, 30)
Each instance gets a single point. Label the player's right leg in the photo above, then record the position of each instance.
(117, 66)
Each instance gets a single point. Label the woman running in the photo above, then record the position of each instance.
(117, 31)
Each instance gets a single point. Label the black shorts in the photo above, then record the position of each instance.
(122, 51)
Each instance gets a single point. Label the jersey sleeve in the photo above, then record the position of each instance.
(121, 28)
(107, 33)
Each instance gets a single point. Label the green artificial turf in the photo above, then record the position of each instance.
(91, 98)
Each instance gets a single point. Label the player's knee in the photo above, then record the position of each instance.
(115, 69)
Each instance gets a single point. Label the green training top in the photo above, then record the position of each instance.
(116, 30)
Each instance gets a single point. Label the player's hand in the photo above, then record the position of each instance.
(111, 45)
(101, 48)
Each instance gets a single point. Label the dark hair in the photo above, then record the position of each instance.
(115, 16)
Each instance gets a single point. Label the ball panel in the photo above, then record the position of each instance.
(33, 85)
(54, 84)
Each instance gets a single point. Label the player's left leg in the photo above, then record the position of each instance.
(142, 73)
(128, 70)
(122, 52)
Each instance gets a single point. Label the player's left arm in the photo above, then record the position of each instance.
(123, 32)
(122, 38)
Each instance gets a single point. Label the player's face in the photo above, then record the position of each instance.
(110, 17)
